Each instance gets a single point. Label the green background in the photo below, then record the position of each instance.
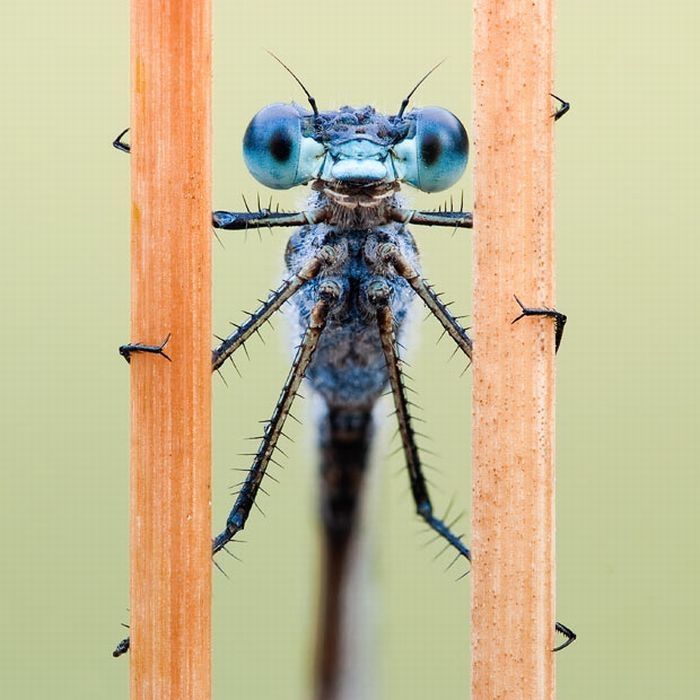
(628, 486)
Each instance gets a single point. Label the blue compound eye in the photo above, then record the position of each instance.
(436, 156)
(275, 151)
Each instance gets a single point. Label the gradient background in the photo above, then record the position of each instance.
(628, 486)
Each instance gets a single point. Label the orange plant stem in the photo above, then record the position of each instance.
(513, 399)
(170, 401)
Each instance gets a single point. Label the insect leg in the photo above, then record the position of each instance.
(569, 634)
(119, 144)
(263, 218)
(378, 293)
(559, 319)
(391, 254)
(126, 350)
(327, 294)
(284, 292)
(453, 219)
(122, 647)
(563, 108)
(329, 291)
(234, 220)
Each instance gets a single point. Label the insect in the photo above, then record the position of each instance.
(353, 272)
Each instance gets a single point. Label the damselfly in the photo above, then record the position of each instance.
(353, 271)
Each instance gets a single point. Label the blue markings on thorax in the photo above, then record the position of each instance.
(348, 368)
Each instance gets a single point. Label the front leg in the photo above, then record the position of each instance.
(263, 218)
(243, 220)
(459, 218)
(454, 219)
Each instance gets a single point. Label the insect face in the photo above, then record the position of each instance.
(354, 149)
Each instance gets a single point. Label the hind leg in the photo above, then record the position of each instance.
(379, 295)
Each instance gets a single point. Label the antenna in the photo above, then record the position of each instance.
(404, 104)
(312, 101)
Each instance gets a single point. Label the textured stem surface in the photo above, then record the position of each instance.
(513, 399)
(170, 401)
